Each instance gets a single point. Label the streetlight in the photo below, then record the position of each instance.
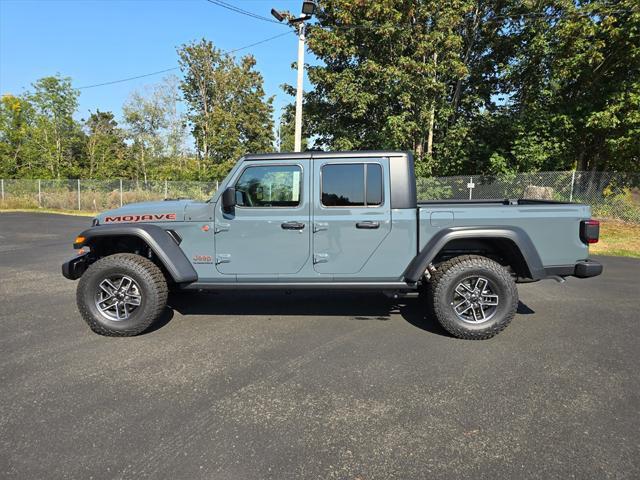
(308, 9)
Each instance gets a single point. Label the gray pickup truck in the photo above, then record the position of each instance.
(329, 220)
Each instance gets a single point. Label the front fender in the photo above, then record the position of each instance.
(162, 245)
(419, 264)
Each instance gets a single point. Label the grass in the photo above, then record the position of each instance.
(617, 238)
(79, 213)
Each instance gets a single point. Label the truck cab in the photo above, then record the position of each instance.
(326, 219)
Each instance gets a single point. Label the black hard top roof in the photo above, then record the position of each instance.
(311, 154)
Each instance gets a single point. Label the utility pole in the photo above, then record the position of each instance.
(308, 9)
(280, 134)
(298, 132)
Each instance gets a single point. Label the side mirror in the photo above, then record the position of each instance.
(228, 200)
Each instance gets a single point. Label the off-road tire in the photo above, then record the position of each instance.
(447, 277)
(146, 274)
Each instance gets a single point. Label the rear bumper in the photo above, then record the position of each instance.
(75, 267)
(587, 268)
(582, 269)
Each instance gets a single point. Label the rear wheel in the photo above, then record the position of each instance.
(121, 295)
(473, 297)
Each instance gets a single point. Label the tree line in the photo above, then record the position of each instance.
(219, 101)
(469, 86)
(474, 86)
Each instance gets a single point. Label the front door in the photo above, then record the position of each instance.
(351, 213)
(268, 233)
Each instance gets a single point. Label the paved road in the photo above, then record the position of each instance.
(312, 385)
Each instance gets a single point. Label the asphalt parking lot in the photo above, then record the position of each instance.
(312, 385)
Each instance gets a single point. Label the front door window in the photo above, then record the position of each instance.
(269, 186)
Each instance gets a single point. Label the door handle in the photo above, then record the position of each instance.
(320, 258)
(368, 225)
(320, 226)
(223, 258)
(292, 226)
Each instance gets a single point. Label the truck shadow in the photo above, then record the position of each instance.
(359, 306)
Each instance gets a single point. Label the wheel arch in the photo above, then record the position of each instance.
(512, 243)
(163, 246)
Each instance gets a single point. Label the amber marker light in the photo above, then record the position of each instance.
(77, 243)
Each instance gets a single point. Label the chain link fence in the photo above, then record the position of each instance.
(95, 195)
(612, 195)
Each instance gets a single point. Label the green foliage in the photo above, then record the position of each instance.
(228, 112)
(470, 86)
(286, 131)
(146, 119)
(618, 205)
(39, 136)
(16, 116)
(480, 86)
(106, 151)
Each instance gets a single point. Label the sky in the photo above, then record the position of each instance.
(96, 41)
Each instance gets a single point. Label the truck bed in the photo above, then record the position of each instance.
(552, 226)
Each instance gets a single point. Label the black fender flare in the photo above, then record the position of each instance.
(419, 264)
(162, 245)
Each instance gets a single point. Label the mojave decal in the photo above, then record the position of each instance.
(150, 217)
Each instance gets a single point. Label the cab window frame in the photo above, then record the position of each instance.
(364, 179)
(280, 164)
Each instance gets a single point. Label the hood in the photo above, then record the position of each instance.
(146, 212)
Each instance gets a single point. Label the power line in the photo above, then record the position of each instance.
(229, 52)
(260, 42)
(241, 11)
(127, 79)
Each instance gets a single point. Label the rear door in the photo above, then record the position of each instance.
(268, 233)
(351, 212)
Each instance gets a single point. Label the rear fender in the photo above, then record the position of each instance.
(415, 270)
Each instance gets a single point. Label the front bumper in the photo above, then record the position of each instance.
(75, 267)
(581, 269)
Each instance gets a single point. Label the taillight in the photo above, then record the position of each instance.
(589, 231)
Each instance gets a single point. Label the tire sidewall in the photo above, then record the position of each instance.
(502, 285)
(140, 318)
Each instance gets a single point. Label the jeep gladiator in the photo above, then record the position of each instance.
(329, 220)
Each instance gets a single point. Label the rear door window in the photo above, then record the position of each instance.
(352, 185)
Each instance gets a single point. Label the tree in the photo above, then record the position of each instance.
(105, 148)
(16, 116)
(574, 84)
(393, 74)
(146, 117)
(56, 136)
(286, 131)
(227, 109)
(176, 122)
(479, 85)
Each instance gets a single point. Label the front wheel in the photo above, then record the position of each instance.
(473, 297)
(121, 295)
